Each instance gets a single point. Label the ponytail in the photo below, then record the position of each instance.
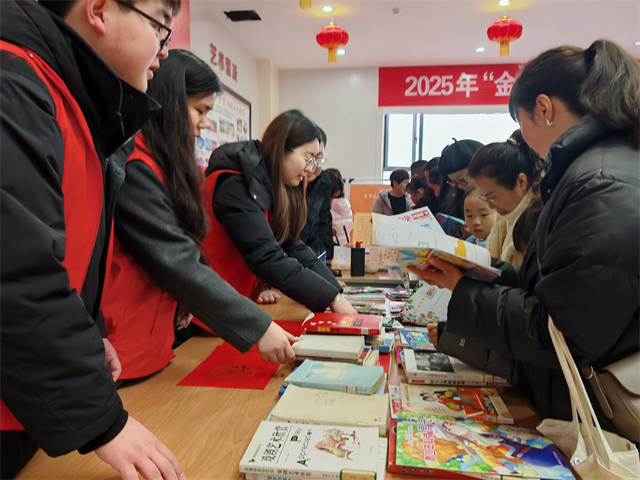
(505, 161)
(603, 80)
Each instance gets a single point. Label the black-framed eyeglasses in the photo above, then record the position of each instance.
(164, 42)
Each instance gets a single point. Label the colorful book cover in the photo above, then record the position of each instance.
(342, 377)
(484, 404)
(311, 451)
(427, 304)
(416, 339)
(343, 323)
(435, 368)
(441, 442)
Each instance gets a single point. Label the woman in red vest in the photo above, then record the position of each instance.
(257, 209)
(157, 267)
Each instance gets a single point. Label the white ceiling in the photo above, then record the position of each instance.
(426, 32)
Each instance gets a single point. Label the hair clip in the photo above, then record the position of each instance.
(513, 141)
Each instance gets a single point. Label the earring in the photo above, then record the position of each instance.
(549, 124)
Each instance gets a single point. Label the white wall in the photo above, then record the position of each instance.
(207, 28)
(344, 103)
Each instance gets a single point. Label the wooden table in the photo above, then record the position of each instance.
(208, 429)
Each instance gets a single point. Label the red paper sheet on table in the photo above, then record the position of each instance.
(226, 367)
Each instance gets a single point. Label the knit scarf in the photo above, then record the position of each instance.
(500, 240)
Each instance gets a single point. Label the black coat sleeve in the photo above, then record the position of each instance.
(251, 233)
(55, 378)
(589, 287)
(147, 226)
(325, 225)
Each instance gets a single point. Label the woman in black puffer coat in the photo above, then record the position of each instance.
(579, 109)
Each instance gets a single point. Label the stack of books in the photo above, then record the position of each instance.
(294, 451)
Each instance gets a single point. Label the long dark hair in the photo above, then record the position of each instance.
(603, 80)
(504, 161)
(337, 183)
(286, 132)
(169, 138)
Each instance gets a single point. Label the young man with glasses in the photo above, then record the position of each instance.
(73, 77)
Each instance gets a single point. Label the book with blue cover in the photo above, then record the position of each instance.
(416, 338)
(341, 377)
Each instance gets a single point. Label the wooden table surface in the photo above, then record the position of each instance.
(208, 429)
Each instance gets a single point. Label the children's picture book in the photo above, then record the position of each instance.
(348, 347)
(421, 217)
(435, 368)
(343, 323)
(341, 377)
(402, 244)
(416, 338)
(395, 400)
(326, 407)
(484, 404)
(311, 451)
(427, 304)
(440, 442)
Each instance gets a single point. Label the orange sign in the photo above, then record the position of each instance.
(361, 197)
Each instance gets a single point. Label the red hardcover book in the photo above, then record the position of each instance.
(343, 323)
(423, 472)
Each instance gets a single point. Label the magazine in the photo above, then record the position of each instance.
(463, 403)
(400, 244)
(438, 442)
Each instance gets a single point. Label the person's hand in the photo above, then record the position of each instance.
(447, 276)
(112, 359)
(432, 333)
(184, 319)
(275, 345)
(343, 306)
(268, 296)
(342, 284)
(135, 449)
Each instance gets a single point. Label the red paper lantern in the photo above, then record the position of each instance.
(504, 31)
(332, 37)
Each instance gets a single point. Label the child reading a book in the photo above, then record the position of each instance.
(159, 226)
(479, 216)
(256, 208)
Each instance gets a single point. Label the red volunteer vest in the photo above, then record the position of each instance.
(222, 254)
(82, 183)
(138, 314)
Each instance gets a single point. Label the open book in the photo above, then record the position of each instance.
(401, 244)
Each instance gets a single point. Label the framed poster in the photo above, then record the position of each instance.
(228, 122)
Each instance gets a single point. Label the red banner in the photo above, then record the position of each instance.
(446, 85)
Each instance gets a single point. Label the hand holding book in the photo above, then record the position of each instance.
(444, 275)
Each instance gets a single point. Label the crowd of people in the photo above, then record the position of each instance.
(100, 276)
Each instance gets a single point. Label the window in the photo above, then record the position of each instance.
(417, 136)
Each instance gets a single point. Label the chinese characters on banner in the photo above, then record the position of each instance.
(224, 63)
(446, 85)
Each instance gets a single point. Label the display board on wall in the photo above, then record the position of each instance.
(228, 122)
(361, 198)
(446, 85)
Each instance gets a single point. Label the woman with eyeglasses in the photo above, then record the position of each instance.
(581, 266)
(257, 209)
(158, 275)
(454, 167)
(318, 231)
(506, 176)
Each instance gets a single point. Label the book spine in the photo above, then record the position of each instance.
(424, 472)
(279, 472)
(333, 387)
(444, 381)
(470, 379)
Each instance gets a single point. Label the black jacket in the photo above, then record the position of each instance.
(239, 202)
(588, 243)
(318, 231)
(55, 379)
(148, 228)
